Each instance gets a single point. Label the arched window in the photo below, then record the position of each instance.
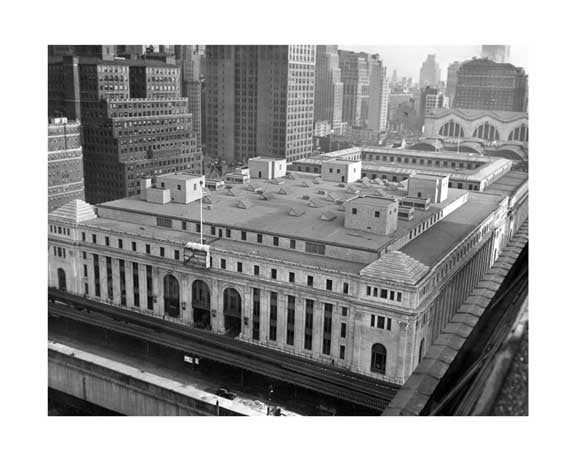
(171, 296)
(451, 130)
(232, 312)
(201, 304)
(487, 132)
(519, 134)
(421, 351)
(378, 359)
(61, 279)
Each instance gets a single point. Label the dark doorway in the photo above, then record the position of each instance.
(171, 296)
(232, 312)
(201, 304)
(378, 360)
(61, 280)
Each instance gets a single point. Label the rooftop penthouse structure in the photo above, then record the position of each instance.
(465, 171)
(360, 275)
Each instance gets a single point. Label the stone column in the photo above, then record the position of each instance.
(129, 284)
(318, 328)
(116, 280)
(281, 319)
(157, 291)
(185, 298)
(299, 313)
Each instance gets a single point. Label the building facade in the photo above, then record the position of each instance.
(452, 79)
(259, 101)
(429, 72)
(189, 59)
(328, 87)
(134, 122)
(486, 85)
(65, 169)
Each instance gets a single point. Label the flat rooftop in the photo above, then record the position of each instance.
(431, 246)
(272, 216)
(509, 183)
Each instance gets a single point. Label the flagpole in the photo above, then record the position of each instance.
(201, 222)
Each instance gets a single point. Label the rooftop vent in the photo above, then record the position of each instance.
(405, 213)
(230, 192)
(290, 176)
(207, 199)
(296, 212)
(251, 188)
(305, 197)
(327, 216)
(331, 197)
(304, 184)
(283, 191)
(278, 181)
(266, 196)
(245, 204)
(352, 190)
(322, 192)
(316, 181)
(313, 204)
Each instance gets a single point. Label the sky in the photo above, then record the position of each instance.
(408, 59)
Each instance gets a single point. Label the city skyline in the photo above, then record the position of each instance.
(407, 59)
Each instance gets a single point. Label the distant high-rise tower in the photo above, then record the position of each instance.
(328, 86)
(496, 53)
(484, 84)
(259, 101)
(188, 58)
(65, 170)
(451, 79)
(429, 72)
(366, 90)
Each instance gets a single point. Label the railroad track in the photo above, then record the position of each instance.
(342, 384)
(464, 394)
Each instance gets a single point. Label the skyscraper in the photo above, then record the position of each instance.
(496, 53)
(429, 72)
(366, 90)
(134, 122)
(188, 58)
(328, 87)
(65, 170)
(484, 84)
(259, 101)
(451, 78)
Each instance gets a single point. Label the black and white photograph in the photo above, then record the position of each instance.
(312, 217)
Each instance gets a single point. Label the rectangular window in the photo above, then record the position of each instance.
(162, 251)
(212, 230)
(308, 324)
(380, 322)
(256, 314)
(149, 292)
(290, 319)
(315, 248)
(239, 267)
(275, 241)
(342, 352)
(83, 236)
(176, 254)
(93, 238)
(85, 270)
(376, 214)
(133, 246)
(243, 235)
(183, 224)
(220, 233)
(256, 270)
(107, 241)
(163, 222)
(310, 281)
(354, 210)
(136, 284)
(391, 295)
(375, 292)
(120, 244)
(398, 296)
(109, 277)
(198, 228)
(83, 255)
(345, 288)
(122, 282)
(293, 244)
(372, 320)
(273, 315)
(329, 285)
(147, 248)
(222, 263)
(368, 290)
(273, 274)
(342, 330)
(388, 324)
(259, 238)
(326, 346)
(383, 293)
(96, 276)
(344, 312)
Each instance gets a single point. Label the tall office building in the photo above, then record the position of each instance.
(65, 170)
(188, 58)
(105, 52)
(366, 90)
(451, 79)
(429, 72)
(328, 90)
(259, 101)
(134, 121)
(496, 53)
(429, 100)
(487, 85)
